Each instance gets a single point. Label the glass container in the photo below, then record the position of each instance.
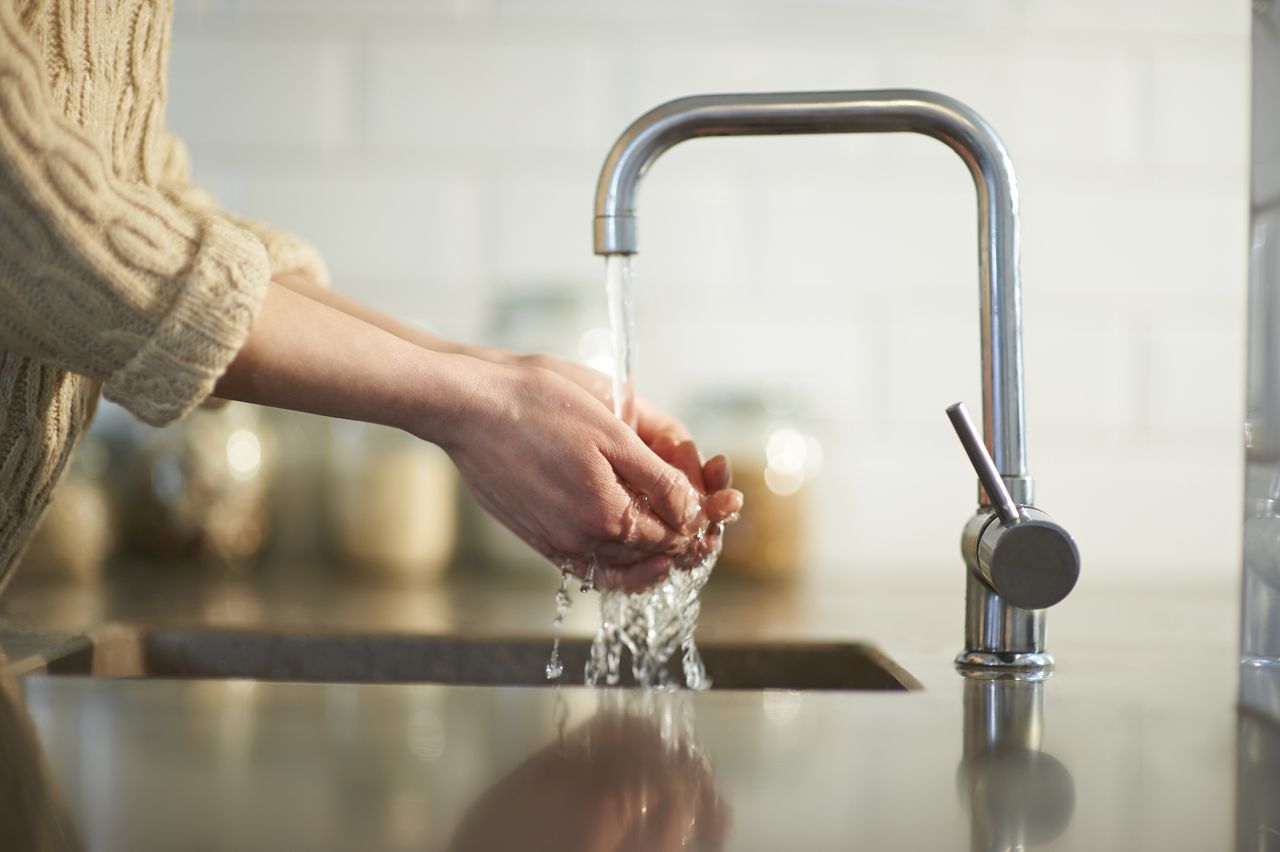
(775, 457)
(392, 503)
(199, 489)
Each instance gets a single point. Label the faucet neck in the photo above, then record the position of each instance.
(884, 111)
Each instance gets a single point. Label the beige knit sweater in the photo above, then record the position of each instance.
(116, 276)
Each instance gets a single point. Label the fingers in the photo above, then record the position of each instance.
(635, 577)
(717, 473)
(652, 422)
(671, 496)
(625, 566)
(664, 445)
(723, 506)
(687, 458)
(682, 454)
(609, 559)
(625, 554)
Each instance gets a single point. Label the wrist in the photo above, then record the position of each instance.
(450, 396)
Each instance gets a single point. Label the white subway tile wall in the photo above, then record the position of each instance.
(443, 154)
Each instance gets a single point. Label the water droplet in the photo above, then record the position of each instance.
(555, 667)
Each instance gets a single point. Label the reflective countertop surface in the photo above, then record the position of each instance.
(1134, 743)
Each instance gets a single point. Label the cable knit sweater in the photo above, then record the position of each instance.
(116, 276)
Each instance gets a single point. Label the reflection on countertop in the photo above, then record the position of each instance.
(1136, 750)
(632, 776)
(1019, 795)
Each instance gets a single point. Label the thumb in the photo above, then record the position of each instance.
(670, 495)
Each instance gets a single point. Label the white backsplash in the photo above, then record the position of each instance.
(444, 153)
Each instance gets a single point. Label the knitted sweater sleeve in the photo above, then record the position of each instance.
(108, 278)
(286, 252)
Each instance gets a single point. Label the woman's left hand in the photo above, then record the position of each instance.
(665, 434)
(650, 420)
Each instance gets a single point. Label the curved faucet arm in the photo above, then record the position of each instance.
(883, 111)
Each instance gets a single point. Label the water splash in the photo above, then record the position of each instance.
(652, 626)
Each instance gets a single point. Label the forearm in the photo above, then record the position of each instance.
(389, 324)
(307, 356)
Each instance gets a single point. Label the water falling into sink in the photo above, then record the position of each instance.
(618, 287)
(654, 624)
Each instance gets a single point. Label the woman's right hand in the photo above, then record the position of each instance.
(558, 469)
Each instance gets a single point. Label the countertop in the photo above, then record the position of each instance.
(1133, 743)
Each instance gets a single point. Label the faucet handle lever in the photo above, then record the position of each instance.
(992, 483)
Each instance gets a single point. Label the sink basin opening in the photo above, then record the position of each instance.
(127, 651)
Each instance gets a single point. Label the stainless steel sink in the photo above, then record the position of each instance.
(132, 651)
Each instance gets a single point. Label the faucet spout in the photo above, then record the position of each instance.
(884, 111)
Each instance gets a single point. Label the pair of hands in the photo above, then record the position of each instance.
(534, 437)
(540, 449)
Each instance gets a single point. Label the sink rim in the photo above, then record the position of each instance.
(115, 647)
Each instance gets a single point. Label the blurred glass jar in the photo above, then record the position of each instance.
(200, 487)
(392, 503)
(76, 535)
(775, 456)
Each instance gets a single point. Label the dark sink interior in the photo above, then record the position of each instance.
(127, 651)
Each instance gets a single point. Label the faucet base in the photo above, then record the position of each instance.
(996, 662)
(998, 635)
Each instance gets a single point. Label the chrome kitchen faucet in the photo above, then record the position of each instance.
(1019, 561)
